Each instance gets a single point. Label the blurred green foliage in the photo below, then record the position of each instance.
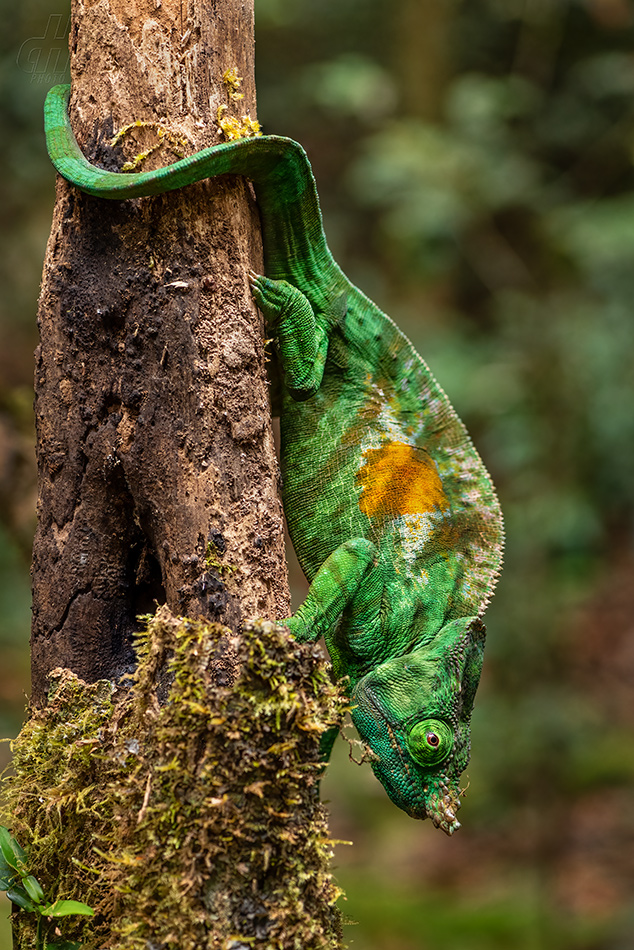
(480, 188)
(33, 54)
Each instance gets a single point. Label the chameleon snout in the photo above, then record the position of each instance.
(442, 804)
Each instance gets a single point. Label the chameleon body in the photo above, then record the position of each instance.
(392, 514)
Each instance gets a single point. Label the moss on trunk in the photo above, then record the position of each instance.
(191, 823)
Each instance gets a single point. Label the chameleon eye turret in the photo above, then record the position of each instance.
(430, 742)
(392, 514)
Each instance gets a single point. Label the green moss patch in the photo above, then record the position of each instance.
(192, 822)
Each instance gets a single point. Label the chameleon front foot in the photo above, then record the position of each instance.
(302, 343)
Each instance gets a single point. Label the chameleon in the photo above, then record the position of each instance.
(393, 516)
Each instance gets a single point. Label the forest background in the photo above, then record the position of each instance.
(475, 164)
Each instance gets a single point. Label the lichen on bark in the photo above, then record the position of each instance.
(188, 823)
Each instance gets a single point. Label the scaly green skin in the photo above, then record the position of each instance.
(391, 511)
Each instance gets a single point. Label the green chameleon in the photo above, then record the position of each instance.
(393, 516)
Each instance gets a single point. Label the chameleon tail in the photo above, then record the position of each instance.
(278, 167)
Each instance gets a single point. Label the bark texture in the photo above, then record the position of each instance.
(157, 473)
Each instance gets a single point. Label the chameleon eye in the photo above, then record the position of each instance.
(430, 741)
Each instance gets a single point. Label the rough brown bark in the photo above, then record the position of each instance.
(157, 475)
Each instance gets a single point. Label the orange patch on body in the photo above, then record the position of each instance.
(399, 479)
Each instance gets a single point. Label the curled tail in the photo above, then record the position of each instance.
(294, 239)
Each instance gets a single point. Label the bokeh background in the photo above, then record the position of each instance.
(474, 159)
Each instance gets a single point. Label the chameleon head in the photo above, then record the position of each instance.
(414, 711)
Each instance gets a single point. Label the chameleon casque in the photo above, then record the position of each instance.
(393, 516)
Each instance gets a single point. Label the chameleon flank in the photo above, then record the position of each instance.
(393, 516)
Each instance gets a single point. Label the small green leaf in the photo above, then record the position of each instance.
(6, 871)
(63, 945)
(7, 878)
(66, 908)
(13, 854)
(19, 896)
(33, 888)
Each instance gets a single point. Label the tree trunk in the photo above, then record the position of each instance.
(194, 825)
(157, 473)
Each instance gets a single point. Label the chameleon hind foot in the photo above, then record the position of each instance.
(302, 343)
